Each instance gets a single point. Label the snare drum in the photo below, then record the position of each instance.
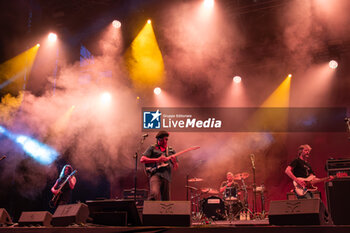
(230, 194)
(214, 208)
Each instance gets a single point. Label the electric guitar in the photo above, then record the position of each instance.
(152, 168)
(56, 197)
(309, 184)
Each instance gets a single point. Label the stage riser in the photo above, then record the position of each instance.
(200, 229)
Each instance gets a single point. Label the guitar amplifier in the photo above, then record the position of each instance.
(141, 195)
(338, 167)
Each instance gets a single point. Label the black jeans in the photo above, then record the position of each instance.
(159, 188)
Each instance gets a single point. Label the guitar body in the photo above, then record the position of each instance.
(152, 168)
(309, 185)
(53, 202)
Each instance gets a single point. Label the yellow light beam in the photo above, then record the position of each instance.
(273, 113)
(280, 97)
(144, 59)
(14, 71)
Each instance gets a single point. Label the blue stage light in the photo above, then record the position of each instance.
(37, 150)
(41, 152)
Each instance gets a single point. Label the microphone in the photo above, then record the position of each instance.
(145, 135)
(252, 156)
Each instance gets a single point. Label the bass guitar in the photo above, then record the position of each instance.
(56, 197)
(151, 168)
(309, 184)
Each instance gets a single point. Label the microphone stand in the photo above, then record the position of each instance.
(347, 120)
(254, 182)
(136, 160)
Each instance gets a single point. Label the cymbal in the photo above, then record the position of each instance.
(239, 176)
(195, 179)
(210, 191)
(192, 188)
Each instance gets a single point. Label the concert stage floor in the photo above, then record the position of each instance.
(219, 226)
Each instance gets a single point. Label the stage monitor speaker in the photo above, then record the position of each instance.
(298, 212)
(42, 218)
(5, 218)
(167, 213)
(338, 200)
(69, 214)
(113, 212)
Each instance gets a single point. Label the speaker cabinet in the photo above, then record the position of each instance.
(69, 214)
(298, 212)
(114, 212)
(167, 213)
(42, 218)
(5, 217)
(338, 200)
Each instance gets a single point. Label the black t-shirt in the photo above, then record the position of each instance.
(155, 152)
(66, 194)
(301, 168)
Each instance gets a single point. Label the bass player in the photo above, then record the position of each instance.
(68, 180)
(300, 171)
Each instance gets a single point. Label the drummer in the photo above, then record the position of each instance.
(229, 184)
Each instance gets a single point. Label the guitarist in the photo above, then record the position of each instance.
(300, 168)
(66, 191)
(158, 166)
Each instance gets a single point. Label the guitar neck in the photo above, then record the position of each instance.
(66, 180)
(319, 180)
(184, 151)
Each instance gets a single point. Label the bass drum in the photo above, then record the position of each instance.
(214, 208)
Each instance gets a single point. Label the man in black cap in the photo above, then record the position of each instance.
(158, 163)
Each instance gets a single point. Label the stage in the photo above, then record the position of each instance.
(220, 226)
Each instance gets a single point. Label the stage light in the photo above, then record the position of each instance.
(41, 152)
(52, 37)
(116, 24)
(144, 60)
(208, 4)
(157, 91)
(333, 64)
(37, 45)
(37, 150)
(149, 21)
(106, 97)
(237, 79)
(290, 75)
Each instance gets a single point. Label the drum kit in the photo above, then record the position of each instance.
(208, 203)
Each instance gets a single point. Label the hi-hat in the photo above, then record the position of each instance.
(195, 179)
(192, 188)
(239, 176)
